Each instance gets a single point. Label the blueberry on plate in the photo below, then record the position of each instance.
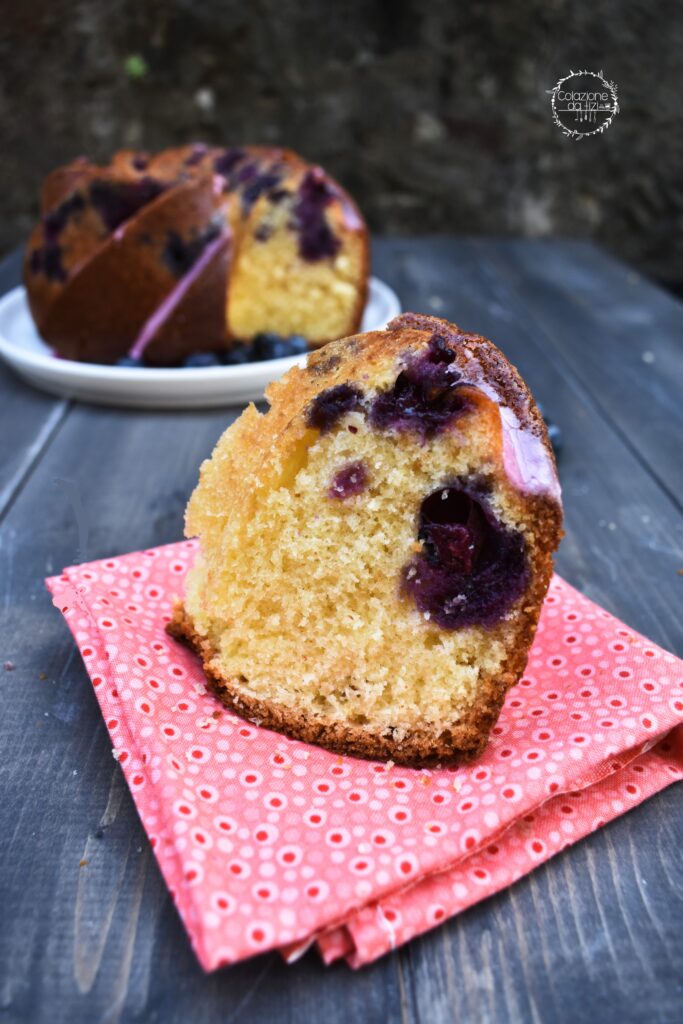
(297, 345)
(235, 356)
(128, 361)
(268, 346)
(201, 359)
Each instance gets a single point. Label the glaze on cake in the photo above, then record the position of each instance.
(375, 549)
(153, 258)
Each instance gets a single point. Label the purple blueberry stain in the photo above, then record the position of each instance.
(196, 155)
(140, 161)
(180, 254)
(471, 568)
(328, 407)
(56, 220)
(349, 481)
(257, 185)
(47, 259)
(226, 161)
(118, 201)
(317, 241)
(247, 173)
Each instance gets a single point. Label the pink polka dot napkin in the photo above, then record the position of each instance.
(267, 843)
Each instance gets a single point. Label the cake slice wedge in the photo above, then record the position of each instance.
(375, 549)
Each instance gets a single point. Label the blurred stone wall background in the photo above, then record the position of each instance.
(434, 114)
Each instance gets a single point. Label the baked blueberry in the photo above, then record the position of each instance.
(118, 201)
(180, 254)
(226, 161)
(426, 396)
(349, 481)
(472, 568)
(317, 241)
(328, 407)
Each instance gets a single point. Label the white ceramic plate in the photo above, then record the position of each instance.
(30, 357)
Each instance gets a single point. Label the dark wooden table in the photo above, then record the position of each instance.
(595, 935)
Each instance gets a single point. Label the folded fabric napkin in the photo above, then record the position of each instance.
(269, 843)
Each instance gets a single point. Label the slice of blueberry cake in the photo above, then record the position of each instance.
(376, 548)
(193, 250)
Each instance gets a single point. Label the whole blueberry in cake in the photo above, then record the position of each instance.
(375, 548)
(195, 250)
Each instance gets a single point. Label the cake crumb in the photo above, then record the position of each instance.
(217, 714)
(389, 765)
(83, 863)
(115, 754)
(457, 785)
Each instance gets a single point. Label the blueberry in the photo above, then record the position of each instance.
(426, 397)
(235, 356)
(316, 239)
(555, 437)
(201, 359)
(268, 346)
(128, 361)
(297, 345)
(330, 405)
(471, 568)
(349, 481)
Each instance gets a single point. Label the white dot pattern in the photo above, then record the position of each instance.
(267, 843)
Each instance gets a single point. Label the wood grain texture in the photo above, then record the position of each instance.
(29, 418)
(592, 936)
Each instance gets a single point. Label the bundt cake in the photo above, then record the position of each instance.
(376, 548)
(191, 250)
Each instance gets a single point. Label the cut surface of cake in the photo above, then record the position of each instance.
(375, 549)
(271, 243)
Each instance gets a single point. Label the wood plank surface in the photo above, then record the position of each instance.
(592, 936)
(29, 417)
